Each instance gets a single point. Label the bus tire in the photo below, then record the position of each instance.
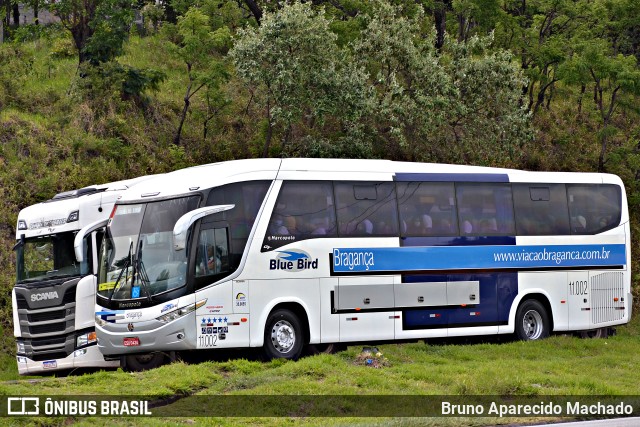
(283, 336)
(532, 321)
(143, 362)
(330, 348)
(595, 333)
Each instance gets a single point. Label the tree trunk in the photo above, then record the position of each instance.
(267, 140)
(255, 10)
(440, 17)
(185, 109)
(16, 15)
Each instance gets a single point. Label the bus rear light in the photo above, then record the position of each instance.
(234, 324)
(351, 319)
(113, 211)
(616, 299)
(563, 301)
(244, 319)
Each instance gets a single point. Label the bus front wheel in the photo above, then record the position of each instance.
(283, 336)
(142, 362)
(532, 321)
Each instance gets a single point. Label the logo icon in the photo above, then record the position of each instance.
(23, 406)
(293, 260)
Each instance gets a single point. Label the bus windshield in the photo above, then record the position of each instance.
(137, 259)
(47, 257)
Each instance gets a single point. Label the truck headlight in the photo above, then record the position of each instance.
(86, 339)
(182, 311)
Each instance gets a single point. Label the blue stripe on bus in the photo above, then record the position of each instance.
(497, 293)
(497, 290)
(424, 258)
(452, 177)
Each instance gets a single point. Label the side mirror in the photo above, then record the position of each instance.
(78, 246)
(186, 221)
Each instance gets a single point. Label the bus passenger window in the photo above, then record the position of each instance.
(541, 209)
(485, 209)
(303, 210)
(366, 209)
(426, 208)
(594, 208)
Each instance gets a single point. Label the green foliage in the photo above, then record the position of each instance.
(461, 104)
(301, 78)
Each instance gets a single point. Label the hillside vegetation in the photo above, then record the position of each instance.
(535, 85)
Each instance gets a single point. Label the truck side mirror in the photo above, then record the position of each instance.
(186, 221)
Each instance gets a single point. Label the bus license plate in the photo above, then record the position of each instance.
(131, 342)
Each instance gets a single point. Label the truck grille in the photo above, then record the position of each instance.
(47, 326)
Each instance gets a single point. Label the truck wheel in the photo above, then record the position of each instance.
(143, 362)
(532, 321)
(283, 336)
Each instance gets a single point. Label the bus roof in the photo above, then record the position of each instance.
(194, 179)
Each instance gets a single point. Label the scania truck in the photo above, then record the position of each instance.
(53, 297)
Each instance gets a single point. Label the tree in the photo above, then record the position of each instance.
(611, 77)
(98, 27)
(459, 103)
(300, 77)
(196, 46)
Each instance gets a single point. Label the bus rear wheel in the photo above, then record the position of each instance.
(595, 333)
(532, 321)
(283, 336)
(143, 362)
(331, 348)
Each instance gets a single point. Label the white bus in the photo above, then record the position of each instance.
(280, 253)
(54, 295)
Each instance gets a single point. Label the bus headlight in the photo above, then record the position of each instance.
(182, 311)
(100, 321)
(20, 348)
(86, 339)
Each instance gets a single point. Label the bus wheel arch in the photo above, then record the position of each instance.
(286, 332)
(533, 318)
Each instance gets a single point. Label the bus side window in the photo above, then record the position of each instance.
(541, 209)
(594, 208)
(485, 209)
(426, 209)
(304, 209)
(212, 252)
(366, 209)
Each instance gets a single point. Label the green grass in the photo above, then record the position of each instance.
(560, 365)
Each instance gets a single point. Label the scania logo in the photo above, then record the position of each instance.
(44, 295)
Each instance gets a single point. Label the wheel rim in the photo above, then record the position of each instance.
(283, 336)
(532, 324)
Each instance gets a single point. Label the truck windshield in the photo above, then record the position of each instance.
(48, 257)
(137, 259)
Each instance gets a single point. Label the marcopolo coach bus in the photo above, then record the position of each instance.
(54, 295)
(280, 253)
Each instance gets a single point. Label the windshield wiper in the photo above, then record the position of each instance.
(142, 272)
(117, 285)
